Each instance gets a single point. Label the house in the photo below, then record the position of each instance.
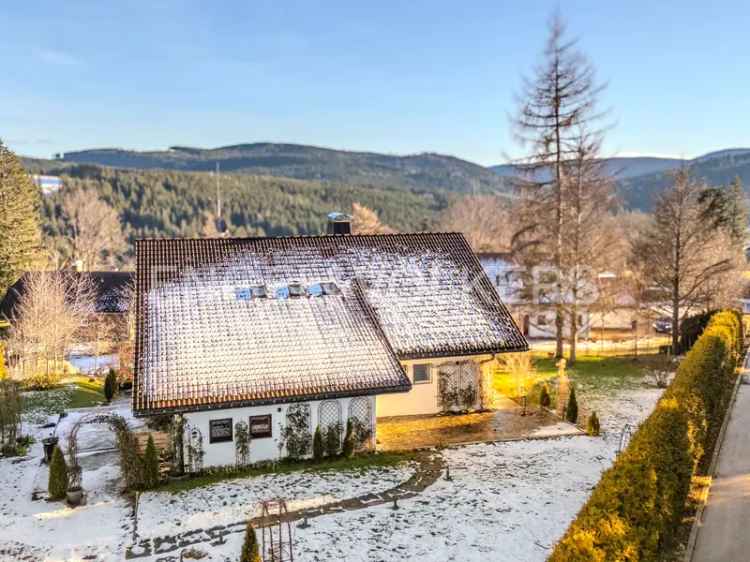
(111, 301)
(605, 307)
(323, 329)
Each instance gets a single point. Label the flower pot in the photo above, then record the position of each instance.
(74, 496)
(49, 444)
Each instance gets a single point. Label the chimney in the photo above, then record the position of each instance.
(339, 223)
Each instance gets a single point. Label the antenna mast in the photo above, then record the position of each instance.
(218, 193)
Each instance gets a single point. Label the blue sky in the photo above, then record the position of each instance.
(396, 77)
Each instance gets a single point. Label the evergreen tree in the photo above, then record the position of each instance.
(333, 439)
(250, 546)
(544, 398)
(571, 412)
(150, 465)
(318, 445)
(593, 428)
(19, 219)
(349, 439)
(110, 385)
(58, 476)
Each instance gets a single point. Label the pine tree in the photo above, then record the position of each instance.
(150, 465)
(58, 476)
(571, 412)
(250, 546)
(593, 428)
(110, 385)
(318, 445)
(544, 398)
(349, 439)
(19, 219)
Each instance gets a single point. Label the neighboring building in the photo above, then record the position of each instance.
(48, 184)
(110, 300)
(530, 296)
(331, 327)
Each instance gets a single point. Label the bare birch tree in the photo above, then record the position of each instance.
(687, 250)
(52, 312)
(555, 104)
(95, 233)
(485, 220)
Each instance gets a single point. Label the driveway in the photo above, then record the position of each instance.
(723, 535)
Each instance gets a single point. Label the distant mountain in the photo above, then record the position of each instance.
(641, 178)
(716, 168)
(418, 172)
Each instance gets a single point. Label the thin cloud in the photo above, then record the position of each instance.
(56, 57)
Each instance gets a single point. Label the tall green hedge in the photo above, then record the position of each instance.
(636, 508)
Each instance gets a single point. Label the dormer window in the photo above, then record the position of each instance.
(330, 288)
(296, 289)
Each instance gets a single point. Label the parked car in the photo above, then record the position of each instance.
(663, 326)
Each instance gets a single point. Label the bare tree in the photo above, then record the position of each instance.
(366, 221)
(95, 232)
(591, 242)
(52, 312)
(687, 250)
(485, 220)
(555, 104)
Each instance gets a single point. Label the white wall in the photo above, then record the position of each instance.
(262, 449)
(423, 398)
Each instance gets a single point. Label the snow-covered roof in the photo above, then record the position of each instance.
(206, 335)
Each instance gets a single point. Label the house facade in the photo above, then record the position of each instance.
(311, 331)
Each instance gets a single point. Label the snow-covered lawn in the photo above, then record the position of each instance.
(163, 513)
(508, 501)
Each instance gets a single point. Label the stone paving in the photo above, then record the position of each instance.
(503, 423)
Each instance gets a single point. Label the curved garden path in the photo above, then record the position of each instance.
(430, 465)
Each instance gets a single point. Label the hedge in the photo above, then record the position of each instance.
(637, 506)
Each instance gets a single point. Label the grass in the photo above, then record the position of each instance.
(355, 463)
(599, 374)
(85, 393)
(75, 392)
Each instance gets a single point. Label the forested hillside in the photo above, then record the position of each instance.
(422, 172)
(168, 203)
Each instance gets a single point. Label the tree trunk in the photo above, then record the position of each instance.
(573, 335)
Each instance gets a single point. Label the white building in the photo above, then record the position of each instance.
(322, 329)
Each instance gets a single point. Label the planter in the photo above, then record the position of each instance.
(74, 496)
(49, 444)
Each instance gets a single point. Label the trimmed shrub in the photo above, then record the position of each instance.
(250, 546)
(110, 385)
(150, 465)
(349, 440)
(637, 506)
(333, 439)
(593, 427)
(544, 397)
(58, 475)
(318, 445)
(3, 370)
(571, 410)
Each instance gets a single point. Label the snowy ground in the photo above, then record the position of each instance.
(506, 502)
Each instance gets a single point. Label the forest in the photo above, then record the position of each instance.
(183, 204)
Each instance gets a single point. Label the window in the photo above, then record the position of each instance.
(220, 430)
(421, 372)
(296, 289)
(497, 280)
(260, 427)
